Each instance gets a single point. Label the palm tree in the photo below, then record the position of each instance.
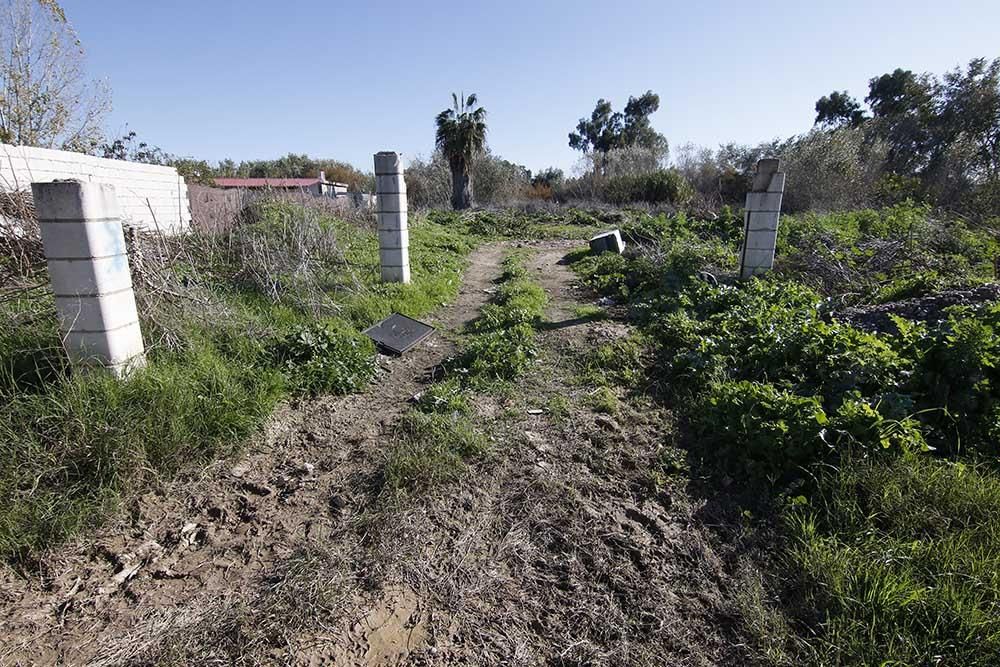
(461, 133)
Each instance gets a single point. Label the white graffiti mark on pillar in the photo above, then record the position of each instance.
(760, 227)
(393, 235)
(88, 266)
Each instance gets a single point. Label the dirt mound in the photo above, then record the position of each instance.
(923, 309)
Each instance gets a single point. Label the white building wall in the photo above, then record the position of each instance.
(149, 196)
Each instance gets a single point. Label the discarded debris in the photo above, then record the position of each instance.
(398, 333)
(607, 242)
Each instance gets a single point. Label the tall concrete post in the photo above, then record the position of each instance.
(760, 225)
(390, 209)
(88, 266)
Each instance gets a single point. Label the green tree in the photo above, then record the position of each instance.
(904, 115)
(552, 177)
(970, 112)
(607, 129)
(838, 109)
(461, 135)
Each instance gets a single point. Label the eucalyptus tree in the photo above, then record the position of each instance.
(461, 135)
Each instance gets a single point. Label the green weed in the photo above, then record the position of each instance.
(280, 304)
(430, 449)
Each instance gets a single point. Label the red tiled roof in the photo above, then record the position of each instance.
(266, 182)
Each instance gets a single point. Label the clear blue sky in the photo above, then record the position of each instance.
(255, 79)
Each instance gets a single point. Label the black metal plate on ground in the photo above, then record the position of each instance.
(398, 333)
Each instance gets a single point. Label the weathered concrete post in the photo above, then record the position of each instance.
(390, 209)
(760, 227)
(88, 266)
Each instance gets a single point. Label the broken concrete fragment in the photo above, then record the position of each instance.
(607, 242)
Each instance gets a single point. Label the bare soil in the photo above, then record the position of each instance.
(559, 547)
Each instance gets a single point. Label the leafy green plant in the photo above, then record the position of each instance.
(326, 357)
(502, 345)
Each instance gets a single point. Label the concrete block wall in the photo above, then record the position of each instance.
(760, 229)
(149, 197)
(81, 230)
(390, 210)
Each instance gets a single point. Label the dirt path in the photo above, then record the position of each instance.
(194, 550)
(563, 546)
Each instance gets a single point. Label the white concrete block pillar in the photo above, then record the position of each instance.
(88, 266)
(760, 225)
(390, 209)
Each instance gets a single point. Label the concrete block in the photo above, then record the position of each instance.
(777, 182)
(89, 277)
(393, 238)
(392, 221)
(390, 202)
(762, 176)
(388, 162)
(96, 313)
(608, 242)
(93, 289)
(75, 201)
(758, 258)
(120, 348)
(394, 256)
(388, 183)
(763, 201)
(764, 239)
(390, 207)
(761, 220)
(76, 240)
(396, 274)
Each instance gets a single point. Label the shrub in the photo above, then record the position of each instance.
(326, 357)
(773, 430)
(665, 186)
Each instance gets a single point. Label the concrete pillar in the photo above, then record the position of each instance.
(88, 266)
(390, 209)
(760, 225)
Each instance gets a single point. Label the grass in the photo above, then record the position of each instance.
(430, 449)
(871, 456)
(559, 408)
(271, 310)
(621, 362)
(604, 400)
(501, 343)
(590, 312)
(900, 562)
(435, 439)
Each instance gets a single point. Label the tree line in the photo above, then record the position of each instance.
(928, 138)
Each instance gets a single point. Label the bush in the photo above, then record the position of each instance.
(665, 186)
(774, 431)
(495, 181)
(326, 357)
